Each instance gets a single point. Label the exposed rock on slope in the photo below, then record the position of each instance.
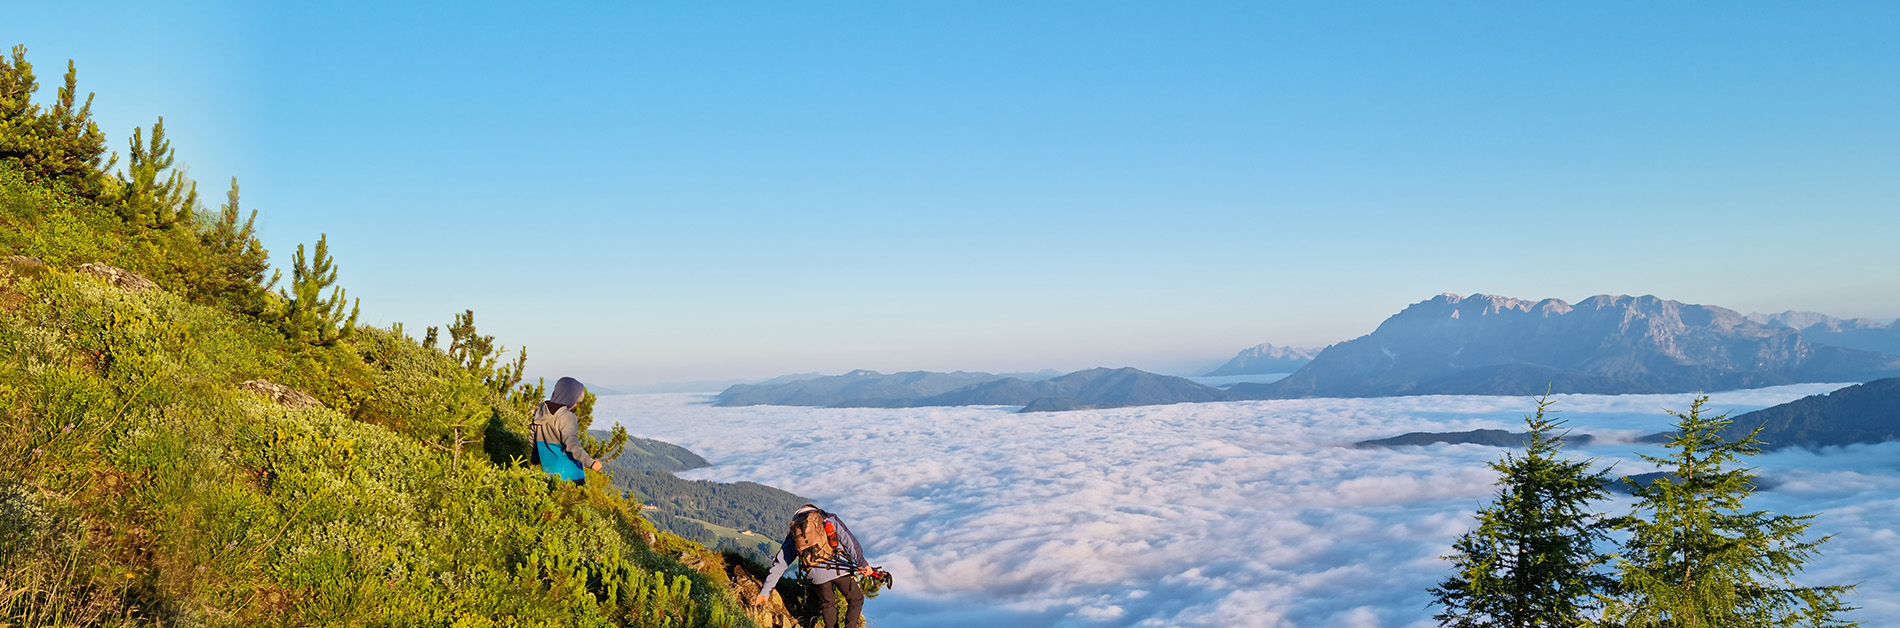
(282, 395)
(1491, 345)
(119, 278)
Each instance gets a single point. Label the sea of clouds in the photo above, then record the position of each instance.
(1215, 514)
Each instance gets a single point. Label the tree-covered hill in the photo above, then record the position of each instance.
(649, 454)
(1862, 413)
(186, 445)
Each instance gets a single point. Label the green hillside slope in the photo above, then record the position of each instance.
(150, 482)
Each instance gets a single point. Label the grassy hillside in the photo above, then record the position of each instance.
(150, 484)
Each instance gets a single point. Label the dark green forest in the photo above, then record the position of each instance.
(193, 437)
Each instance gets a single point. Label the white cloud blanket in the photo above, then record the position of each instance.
(1213, 514)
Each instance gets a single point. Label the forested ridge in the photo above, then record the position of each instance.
(195, 438)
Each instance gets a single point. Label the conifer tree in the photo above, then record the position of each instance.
(602, 450)
(309, 316)
(1696, 560)
(479, 355)
(61, 144)
(239, 260)
(152, 192)
(1532, 561)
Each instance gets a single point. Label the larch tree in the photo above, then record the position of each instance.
(1695, 559)
(1533, 560)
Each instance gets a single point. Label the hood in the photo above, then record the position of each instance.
(543, 417)
(567, 392)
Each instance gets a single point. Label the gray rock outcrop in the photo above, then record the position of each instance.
(282, 395)
(118, 277)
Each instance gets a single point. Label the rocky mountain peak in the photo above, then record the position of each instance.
(1488, 344)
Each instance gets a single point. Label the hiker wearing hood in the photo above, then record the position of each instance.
(832, 558)
(556, 429)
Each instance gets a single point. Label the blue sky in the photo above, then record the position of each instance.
(647, 192)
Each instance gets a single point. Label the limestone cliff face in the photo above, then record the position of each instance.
(1493, 345)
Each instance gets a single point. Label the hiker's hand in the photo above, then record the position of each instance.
(761, 599)
(596, 465)
(866, 571)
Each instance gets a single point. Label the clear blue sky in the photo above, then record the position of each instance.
(646, 192)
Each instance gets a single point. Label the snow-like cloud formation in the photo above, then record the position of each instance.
(1215, 514)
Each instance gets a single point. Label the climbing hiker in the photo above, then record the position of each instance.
(557, 439)
(831, 558)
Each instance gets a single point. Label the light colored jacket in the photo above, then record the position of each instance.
(560, 428)
(843, 565)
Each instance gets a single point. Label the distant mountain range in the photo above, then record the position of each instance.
(856, 388)
(1853, 333)
(1449, 344)
(1492, 345)
(1264, 359)
(1093, 388)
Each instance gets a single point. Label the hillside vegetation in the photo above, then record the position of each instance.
(166, 467)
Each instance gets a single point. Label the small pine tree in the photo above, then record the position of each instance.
(236, 280)
(602, 450)
(479, 355)
(1532, 561)
(308, 316)
(1694, 560)
(62, 144)
(154, 194)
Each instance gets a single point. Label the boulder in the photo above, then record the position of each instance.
(23, 262)
(119, 278)
(283, 395)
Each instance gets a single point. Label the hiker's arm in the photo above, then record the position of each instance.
(780, 562)
(571, 441)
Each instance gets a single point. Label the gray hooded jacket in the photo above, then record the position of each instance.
(561, 428)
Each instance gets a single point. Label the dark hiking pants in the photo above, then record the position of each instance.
(853, 599)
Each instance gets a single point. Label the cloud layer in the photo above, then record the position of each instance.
(1215, 514)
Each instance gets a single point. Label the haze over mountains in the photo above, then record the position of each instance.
(1093, 388)
(1448, 344)
(1853, 333)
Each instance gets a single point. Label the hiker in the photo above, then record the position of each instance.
(557, 439)
(831, 556)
